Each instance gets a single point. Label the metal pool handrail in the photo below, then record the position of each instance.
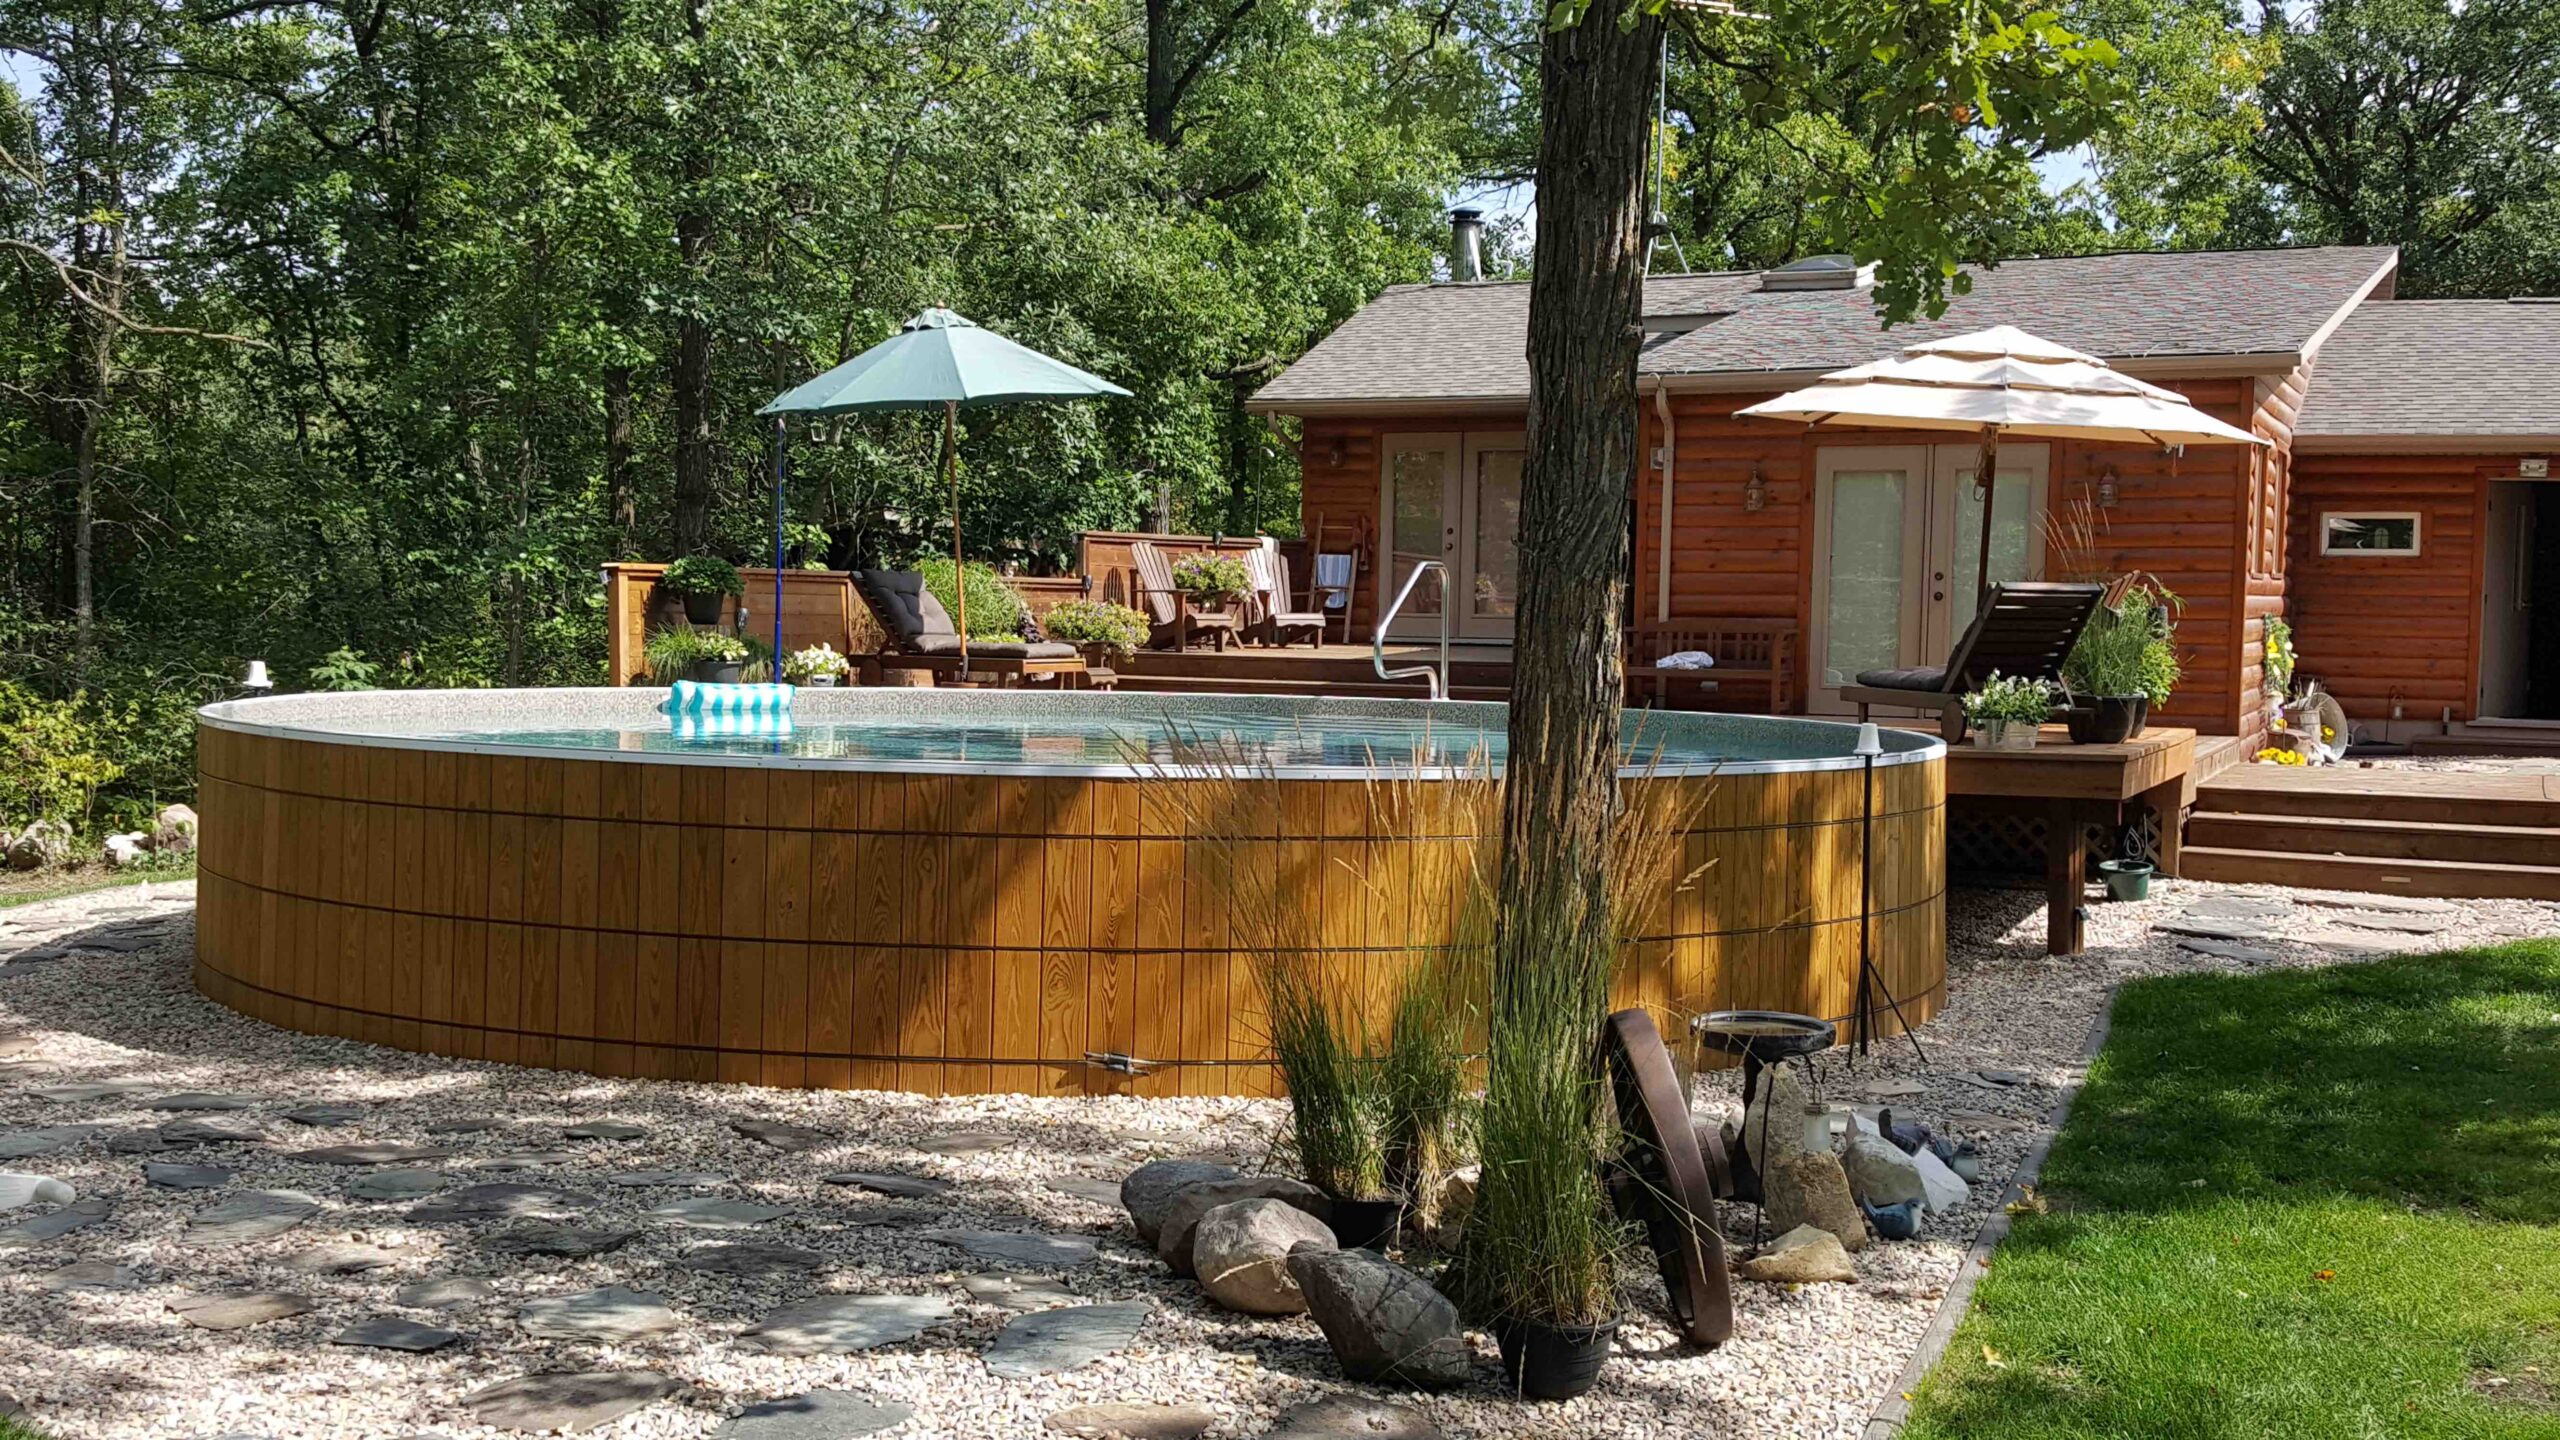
(1439, 679)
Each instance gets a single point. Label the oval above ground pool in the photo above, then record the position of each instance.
(956, 891)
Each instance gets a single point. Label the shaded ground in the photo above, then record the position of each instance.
(2308, 1203)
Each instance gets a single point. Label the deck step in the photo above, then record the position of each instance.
(2452, 803)
(2322, 835)
(2541, 744)
(2440, 879)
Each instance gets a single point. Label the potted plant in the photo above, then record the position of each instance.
(1211, 581)
(2004, 711)
(817, 665)
(701, 581)
(1103, 630)
(2125, 663)
(706, 656)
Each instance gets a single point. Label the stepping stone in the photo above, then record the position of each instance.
(1090, 1188)
(76, 1094)
(1016, 1292)
(204, 1100)
(350, 1259)
(581, 1400)
(209, 1132)
(91, 1275)
(1974, 1122)
(443, 1292)
(526, 1160)
(257, 1215)
(325, 1114)
(503, 1200)
(186, 1177)
(818, 1415)
(465, 1125)
(52, 1140)
(2002, 1079)
(710, 1214)
(119, 942)
(390, 1332)
(964, 1142)
(569, 1242)
(2212, 928)
(1018, 1247)
(2394, 904)
(1894, 1089)
(2405, 924)
(14, 1043)
(238, 1309)
(754, 1260)
(682, 1179)
(606, 1313)
(1337, 1416)
(905, 1187)
(139, 1142)
(396, 1184)
(782, 1135)
(843, 1324)
(2247, 907)
(606, 1130)
(18, 1191)
(1135, 1422)
(371, 1153)
(1049, 1341)
(44, 1229)
(2226, 950)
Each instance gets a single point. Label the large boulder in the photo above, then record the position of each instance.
(126, 849)
(1881, 1173)
(1385, 1323)
(1175, 1236)
(1779, 1105)
(175, 830)
(1242, 1254)
(1148, 1192)
(1802, 1256)
(1809, 1188)
(43, 843)
(1945, 1189)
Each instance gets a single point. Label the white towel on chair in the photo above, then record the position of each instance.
(1686, 660)
(1333, 580)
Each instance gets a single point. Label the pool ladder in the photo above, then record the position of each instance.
(1437, 678)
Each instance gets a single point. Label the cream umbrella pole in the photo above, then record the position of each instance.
(1986, 474)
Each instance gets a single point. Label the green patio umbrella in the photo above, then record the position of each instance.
(938, 358)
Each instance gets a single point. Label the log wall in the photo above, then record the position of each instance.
(940, 933)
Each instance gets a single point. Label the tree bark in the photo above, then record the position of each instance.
(621, 506)
(692, 371)
(1586, 303)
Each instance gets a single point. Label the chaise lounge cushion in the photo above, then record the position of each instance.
(1931, 678)
(920, 626)
(1019, 650)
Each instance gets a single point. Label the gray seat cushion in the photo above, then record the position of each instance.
(1932, 678)
(1020, 650)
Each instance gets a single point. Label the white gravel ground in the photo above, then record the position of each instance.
(1805, 1362)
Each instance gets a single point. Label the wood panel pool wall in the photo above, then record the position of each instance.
(951, 933)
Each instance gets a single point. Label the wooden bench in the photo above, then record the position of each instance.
(1755, 656)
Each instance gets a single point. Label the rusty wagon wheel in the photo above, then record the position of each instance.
(1666, 1175)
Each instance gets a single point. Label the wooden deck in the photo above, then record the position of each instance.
(2069, 786)
(2455, 835)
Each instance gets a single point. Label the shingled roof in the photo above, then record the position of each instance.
(1456, 344)
(2483, 370)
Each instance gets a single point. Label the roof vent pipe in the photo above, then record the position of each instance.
(1466, 246)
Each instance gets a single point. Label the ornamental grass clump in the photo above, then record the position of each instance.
(995, 608)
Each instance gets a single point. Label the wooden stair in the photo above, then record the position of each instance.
(2452, 836)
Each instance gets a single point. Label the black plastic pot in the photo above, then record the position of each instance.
(717, 672)
(2109, 719)
(1366, 1224)
(1553, 1362)
(703, 609)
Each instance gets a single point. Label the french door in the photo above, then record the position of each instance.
(1897, 551)
(1453, 497)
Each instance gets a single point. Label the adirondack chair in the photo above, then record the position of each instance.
(2025, 629)
(1175, 620)
(1272, 616)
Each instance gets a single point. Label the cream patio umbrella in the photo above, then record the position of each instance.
(1998, 382)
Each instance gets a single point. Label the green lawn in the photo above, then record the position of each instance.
(28, 889)
(2313, 1204)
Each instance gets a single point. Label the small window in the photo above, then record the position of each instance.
(2365, 533)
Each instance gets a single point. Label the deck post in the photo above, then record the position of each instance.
(2066, 878)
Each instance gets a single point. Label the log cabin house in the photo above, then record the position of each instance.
(2396, 518)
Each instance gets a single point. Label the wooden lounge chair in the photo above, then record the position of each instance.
(1758, 656)
(922, 637)
(1271, 613)
(1169, 610)
(2024, 630)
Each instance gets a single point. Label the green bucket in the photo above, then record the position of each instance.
(2127, 879)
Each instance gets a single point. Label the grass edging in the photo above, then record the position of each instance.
(1894, 1410)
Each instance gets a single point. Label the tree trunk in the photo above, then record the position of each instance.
(621, 507)
(1585, 307)
(694, 481)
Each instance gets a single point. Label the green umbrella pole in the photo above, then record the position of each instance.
(959, 571)
(781, 477)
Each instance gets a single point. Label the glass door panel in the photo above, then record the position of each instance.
(1867, 602)
(2017, 526)
(1491, 569)
(1419, 476)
